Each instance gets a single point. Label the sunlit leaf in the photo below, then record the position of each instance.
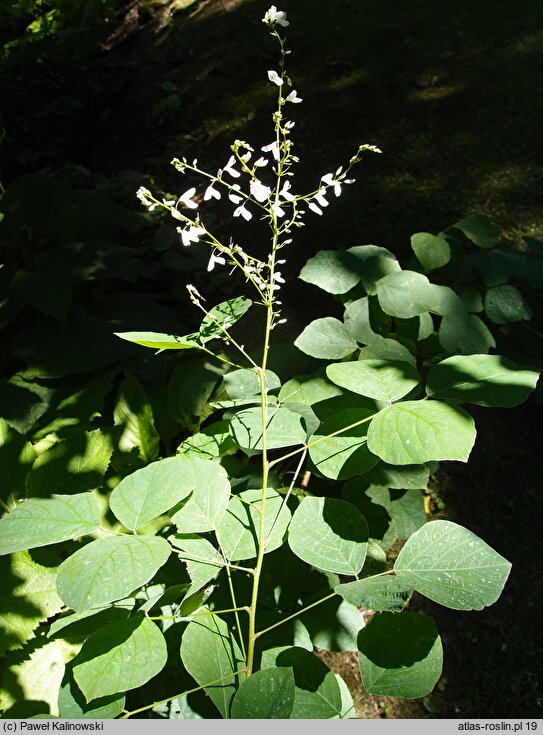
(207, 503)
(452, 566)
(266, 695)
(326, 338)
(284, 428)
(382, 594)
(334, 271)
(383, 380)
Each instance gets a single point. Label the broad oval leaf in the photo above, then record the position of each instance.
(334, 271)
(211, 442)
(119, 657)
(414, 432)
(480, 230)
(465, 334)
(387, 593)
(504, 304)
(41, 522)
(405, 294)
(266, 695)
(326, 338)
(207, 504)
(245, 383)
(210, 653)
(376, 262)
(400, 655)
(432, 251)
(284, 428)
(383, 380)
(346, 454)
(317, 693)
(238, 531)
(452, 566)
(147, 493)
(109, 568)
(72, 705)
(487, 380)
(402, 477)
(330, 535)
(159, 341)
(382, 348)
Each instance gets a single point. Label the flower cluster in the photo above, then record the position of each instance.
(274, 200)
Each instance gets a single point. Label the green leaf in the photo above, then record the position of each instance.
(23, 402)
(42, 522)
(448, 303)
(193, 381)
(159, 341)
(266, 695)
(119, 657)
(36, 678)
(358, 322)
(73, 465)
(133, 412)
(76, 627)
(284, 428)
(480, 230)
(28, 595)
(376, 262)
(414, 432)
(463, 334)
(72, 705)
(400, 655)
(16, 458)
(308, 389)
(210, 652)
(222, 317)
(402, 477)
(246, 383)
(452, 566)
(432, 251)
(151, 491)
(405, 294)
(388, 593)
(317, 693)
(327, 339)
(207, 504)
(110, 568)
(346, 454)
(333, 625)
(329, 534)
(383, 380)
(382, 348)
(334, 271)
(203, 560)
(238, 531)
(487, 380)
(504, 304)
(213, 441)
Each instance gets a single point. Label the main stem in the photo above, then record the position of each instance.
(265, 468)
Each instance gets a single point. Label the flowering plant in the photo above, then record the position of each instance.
(229, 551)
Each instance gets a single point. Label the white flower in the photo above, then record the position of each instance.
(367, 147)
(314, 207)
(293, 97)
(289, 124)
(229, 168)
(143, 194)
(191, 234)
(244, 212)
(319, 196)
(211, 192)
(214, 260)
(272, 148)
(277, 277)
(234, 198)
(331, 181)
(186, 199)
(178, 215)
(259, 191)
(277, 209)
(285, 192)
(274, 77)
(261, 162)
(246, 156)
(275, 16)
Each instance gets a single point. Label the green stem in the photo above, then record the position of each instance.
(320, 439)
(295, 615)
(235, 610)
(126, 715)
